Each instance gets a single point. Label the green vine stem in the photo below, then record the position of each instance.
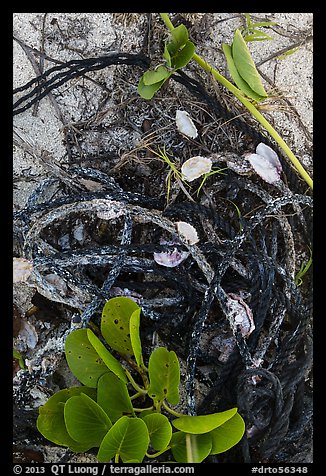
(260, 118)
(170, 410)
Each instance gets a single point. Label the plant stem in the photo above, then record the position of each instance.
(190, 458)
(173, 412)
(154, 455)
(260, 118)
(140, 390)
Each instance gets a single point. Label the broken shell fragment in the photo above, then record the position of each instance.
(188, 232)
(172, 258)
(196, 167)
(240, 315)
(266, 163)
(185, 124)
(22, 269)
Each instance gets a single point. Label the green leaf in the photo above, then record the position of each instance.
(183, 57)
(245, 64)
(159, 429)
(115, 323)
(113, 396)
(257, 36)
(135, 337)
(128, 438)
(203, 423)
(166, 55)
(85, 420)
(155, 76)
(199, 447)
(51, 423)
(111, 362)
(164, 376)
(227, 435)
(82, 358)
(179, 36)
(147, 92)
(239, 81)
(17, 355)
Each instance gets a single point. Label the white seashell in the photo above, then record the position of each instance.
(266, 163)
(240, 315)
(196, 167)
(188, 232)
(185, 124)
(22, 269)
(172, 258)
(269, 154)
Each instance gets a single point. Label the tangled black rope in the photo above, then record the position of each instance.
(264, 374)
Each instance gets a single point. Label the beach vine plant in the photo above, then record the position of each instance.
(248, 88)
(124, 407)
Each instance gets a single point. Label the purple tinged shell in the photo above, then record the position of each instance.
(172, 258)
(266, 163)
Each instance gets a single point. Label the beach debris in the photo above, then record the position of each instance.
(22, 269)
(266, 163)
(188, 232)
(172, 258)
(185, 124)
(195, 167)
(240, 315)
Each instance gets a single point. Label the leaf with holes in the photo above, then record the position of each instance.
(51, 424)
(135, 337)
(82, 358)
(111, 362)
(203, 423)
(159, 429)
(188, 448)
(227, 435)
(128, 438)
(115, 323)
(113, 396)
(85, 420)
(164, 376)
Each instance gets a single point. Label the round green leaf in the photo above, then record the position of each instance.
(115, 323)
(113, 396)
(155, 76)
(164, 376)
(179, 36)
(159, 429)
(135, 337)
(203, 423)
(111, 362)
(82, 358)
(245, 64)
(227, 435)
(188, 448)
(147, 92)
(85, 420)
(51, 423)
(183, 57)
(127, 438)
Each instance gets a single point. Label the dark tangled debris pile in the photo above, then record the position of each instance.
(91, 233)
